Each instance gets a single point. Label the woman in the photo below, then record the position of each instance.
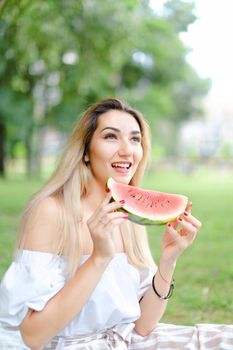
(83, 276)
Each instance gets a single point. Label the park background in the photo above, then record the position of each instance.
(58, 57)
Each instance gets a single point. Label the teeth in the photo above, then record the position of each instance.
(121, 165)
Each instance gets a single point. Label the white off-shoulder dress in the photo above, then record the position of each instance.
(107, 320)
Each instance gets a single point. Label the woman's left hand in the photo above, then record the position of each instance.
(179, 235)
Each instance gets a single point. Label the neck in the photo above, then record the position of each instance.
(95, 195)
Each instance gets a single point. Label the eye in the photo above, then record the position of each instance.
(110, 136)
(136, 139)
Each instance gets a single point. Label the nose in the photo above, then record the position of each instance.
(125, 148)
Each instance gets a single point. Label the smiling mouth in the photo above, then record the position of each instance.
(121, 165)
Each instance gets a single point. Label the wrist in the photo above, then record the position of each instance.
(100, 262)
(169, 262)
(166, 270)
(161, 296)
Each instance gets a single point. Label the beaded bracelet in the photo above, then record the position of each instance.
(169, 294)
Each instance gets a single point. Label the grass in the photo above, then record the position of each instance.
(14, 194)
(204, 273)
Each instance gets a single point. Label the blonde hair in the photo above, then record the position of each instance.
(69, 183)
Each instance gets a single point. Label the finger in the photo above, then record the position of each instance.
(191, 219)
(115, 222)
(114, 205)
(173, 233)
(111, 205)
(108, 218)
(107, 199)
(174, 224)
(103, 204)
(187, 227)
(189, 207)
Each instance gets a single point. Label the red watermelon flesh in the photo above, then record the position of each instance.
(148, 207)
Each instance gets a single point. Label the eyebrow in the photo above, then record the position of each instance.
(134, 132)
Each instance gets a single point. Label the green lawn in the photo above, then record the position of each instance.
(204, 274)
(14, 194)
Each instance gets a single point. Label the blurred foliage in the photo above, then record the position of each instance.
(57, 57)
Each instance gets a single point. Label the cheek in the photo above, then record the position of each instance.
(139, 154)
(99, 152)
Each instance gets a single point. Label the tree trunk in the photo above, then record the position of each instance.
(33, 159)
(2, 149)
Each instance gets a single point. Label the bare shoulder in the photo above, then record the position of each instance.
(42, 229)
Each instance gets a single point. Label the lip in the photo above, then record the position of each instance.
(123, 170)
(122, 162)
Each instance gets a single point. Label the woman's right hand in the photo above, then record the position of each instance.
(102, 224)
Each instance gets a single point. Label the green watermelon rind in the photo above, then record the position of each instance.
(146, 221)
(138, 219)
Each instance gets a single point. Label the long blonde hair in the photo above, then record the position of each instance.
(69, 183)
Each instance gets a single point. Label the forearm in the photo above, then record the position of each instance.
(64, 306)
(152, 308)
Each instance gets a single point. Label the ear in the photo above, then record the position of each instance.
(86, 158)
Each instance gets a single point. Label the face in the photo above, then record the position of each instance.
(115, 149)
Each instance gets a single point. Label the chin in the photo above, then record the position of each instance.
(122, 179)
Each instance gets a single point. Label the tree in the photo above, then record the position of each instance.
(57, 57)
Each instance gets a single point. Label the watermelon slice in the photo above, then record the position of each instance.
(146, 207)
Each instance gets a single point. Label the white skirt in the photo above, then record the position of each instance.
(163, 337)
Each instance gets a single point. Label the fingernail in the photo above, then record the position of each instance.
(180, 219)
(108, 190)
(168, 225)
(122, 201)
(186, 213)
